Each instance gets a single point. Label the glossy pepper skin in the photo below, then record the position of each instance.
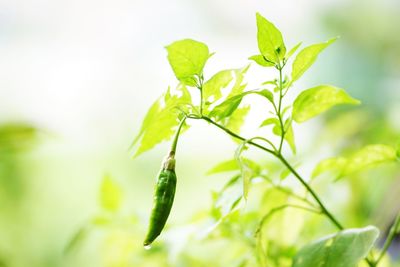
(164, 194)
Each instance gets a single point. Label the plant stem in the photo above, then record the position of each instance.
(288, 192)
(201, 101)
(312, 192)
(200, 87)
(389, 239)
(176, 137)
(283, 160)
(259, 233)
(324, 210)
(279, 110)
(236, 135)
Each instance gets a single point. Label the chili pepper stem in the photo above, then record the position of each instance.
(169, 162)
(176, 137)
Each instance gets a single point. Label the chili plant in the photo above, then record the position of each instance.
(218, 100)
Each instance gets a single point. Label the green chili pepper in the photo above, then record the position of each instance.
(164, 193)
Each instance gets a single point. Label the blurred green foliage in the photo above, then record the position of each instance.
(230, 232)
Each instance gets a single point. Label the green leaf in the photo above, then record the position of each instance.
(238, 87)
(343, 249)
(237, 119)
(270, 41)
(276, 130)
(267, 94)
(363, 159)
(368, 157)
(274, 82)
(260, 60)
(284, 174)
(269, 121)
(289, 136)
(285, 110)
(212, 89)
(110, 195)
(335, 165)
(306, 57)
(187, 58)
(226, 108)
(293, 50)
(233, 78)
(233, 165)
(225, 201)
(248, 169)
(246, 174)
(225, 166)
(314, 101)
(161, 120)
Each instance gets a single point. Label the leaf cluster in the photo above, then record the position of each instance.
(220, 100)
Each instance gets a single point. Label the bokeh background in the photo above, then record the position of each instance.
(77, 77)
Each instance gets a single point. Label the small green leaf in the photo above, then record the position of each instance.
(237, 119)
(269, 121)
(306, 57)
(248, 169)
(289, 136)
(238, 87)
(276, 130)
(212, 89)
(260, 60)
(343, 249)
(226, 108)
(161, 120)
(149, 118)
(247, 174)
(267, 94)
(314, 101)
(285, 110)
(110, 195)
(284, 174)
(293, 50)
(335, 165)
(270, 41)
(225, 166)
(233, 78)
(274, 82)
(233, 165)
(187, 58)
(228, 198)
